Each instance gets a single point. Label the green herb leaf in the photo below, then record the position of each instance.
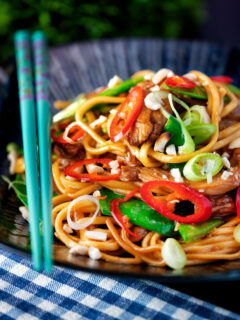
(19, 186)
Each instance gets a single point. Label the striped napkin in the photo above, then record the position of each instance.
(70, 294)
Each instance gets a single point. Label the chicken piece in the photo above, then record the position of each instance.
(149, 125)
(142, 128)
(222, 205)
(140, 232)
(225, 123)
(129, 173)
(235, 157)
(159, 121)
(69, 151)
(235, 114)
(129, 160)
(216, 187)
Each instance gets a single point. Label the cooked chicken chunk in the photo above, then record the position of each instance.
(216, 187)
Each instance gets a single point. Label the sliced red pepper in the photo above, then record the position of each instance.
(70, 171)
(181, 82)
(165, 204)
(222, 79)
(117, 214)
(77, 132)
(56, 138)
(238, 201)
(127, 114)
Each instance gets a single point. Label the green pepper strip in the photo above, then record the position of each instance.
(139, 213)
(188, 145)
(234, 89)
(173, 126)
(201, 132)
(72, 109)
(123, 87)
(192, 232)
(196, 92)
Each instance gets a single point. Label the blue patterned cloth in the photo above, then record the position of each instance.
(69, 294)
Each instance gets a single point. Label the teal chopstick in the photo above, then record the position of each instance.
(28, 124)
(43, 121)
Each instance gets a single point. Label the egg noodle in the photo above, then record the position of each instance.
(119, 246)
(76, 215)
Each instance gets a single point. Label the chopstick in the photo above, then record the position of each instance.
(43, 125)
(39, 195)
(29, 136)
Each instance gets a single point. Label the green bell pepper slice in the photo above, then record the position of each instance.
(192, 232)
(187, 144)
(72, 109)
(196, 92)
(234, 89)
(139, 213)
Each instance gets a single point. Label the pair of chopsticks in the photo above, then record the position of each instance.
(31, 57)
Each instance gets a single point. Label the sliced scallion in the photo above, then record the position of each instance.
(173, 254)
(200, 166)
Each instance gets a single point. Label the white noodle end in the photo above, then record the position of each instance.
(24, 212)
(175, 172)
(79, 250)
(96, 235)
(226, 174)
(171, 150)
(161, 75)
(155, 88)
(96, 194)
(235, 144)
(67, 229)
(114, 81)
(12, 157)
(94, 253)
(114, 164)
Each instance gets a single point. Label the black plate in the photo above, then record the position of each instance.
(81, 67)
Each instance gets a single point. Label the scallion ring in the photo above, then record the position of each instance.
(200, 166)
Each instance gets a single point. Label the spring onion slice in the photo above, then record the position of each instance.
(202, 165)
(82, 223)
(70, 110)
(201, 132)
(173, 254)
(197, 114)
(236, 233)
(189, 145)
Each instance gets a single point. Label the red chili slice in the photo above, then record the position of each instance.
(181, 82)
(76, 132)
(127, 114)
(70, 171)
(238, 201)
(117, 214)
(165, 204)
(59, 138)
(222, 79)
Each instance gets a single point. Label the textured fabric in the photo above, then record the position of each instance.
(69, 294)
